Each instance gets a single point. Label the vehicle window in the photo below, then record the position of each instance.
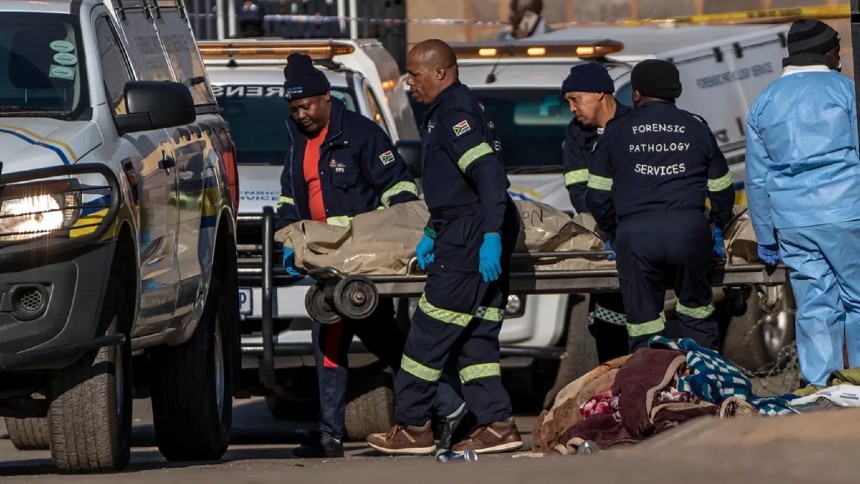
(375, 111)
(624, 94)
(41, 59)
(257, 117)
(115, 72)
(530, 124)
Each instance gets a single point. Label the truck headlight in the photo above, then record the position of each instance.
(30, 210)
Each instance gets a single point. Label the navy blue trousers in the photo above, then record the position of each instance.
(458, 319)
(660, 251)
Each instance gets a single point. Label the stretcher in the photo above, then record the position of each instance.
(336, 294)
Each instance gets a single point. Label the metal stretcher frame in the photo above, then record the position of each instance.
(564, 282)
(268, 274)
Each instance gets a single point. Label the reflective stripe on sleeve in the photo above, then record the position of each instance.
(721, 183)
(340, 221)
(399, 187)
(574, 177)
(473, 154)
(599, 183)
(284, 200)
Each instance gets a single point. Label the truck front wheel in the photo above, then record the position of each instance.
(192, 387)
(90, 402)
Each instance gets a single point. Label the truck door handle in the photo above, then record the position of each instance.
(167, 163)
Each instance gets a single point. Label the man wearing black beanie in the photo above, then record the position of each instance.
(803, 190)
(340, 164)
(650, 175)
(589, 89)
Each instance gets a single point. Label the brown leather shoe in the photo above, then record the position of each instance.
(405, 439)
(497, 437)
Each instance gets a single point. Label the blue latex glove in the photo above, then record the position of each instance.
(718, 244)
(490, 257)
(769, 254)
(290, 262)
(608, 246)
(424, 252)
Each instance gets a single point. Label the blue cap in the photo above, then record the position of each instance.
(588, 77)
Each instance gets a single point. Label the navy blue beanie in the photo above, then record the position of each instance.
(302, 79)
(588, 77)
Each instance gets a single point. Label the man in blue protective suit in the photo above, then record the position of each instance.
(651, 173)
(588, 89)
(341, 164)
(466, 253)
(803, 190)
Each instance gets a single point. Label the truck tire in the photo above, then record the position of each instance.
(192, 387)
(744, 341)
(90, 410)
(28, 433)
(370, 404)
(580, 354)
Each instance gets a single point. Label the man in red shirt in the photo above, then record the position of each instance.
(341, 164)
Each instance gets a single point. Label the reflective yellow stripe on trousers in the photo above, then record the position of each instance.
(647, 328)
(418, 370)
(483, 370)
(460, 319)
(700, 312)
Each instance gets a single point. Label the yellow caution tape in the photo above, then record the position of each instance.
(820, 12)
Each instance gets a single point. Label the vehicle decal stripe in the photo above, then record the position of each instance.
(58, 147)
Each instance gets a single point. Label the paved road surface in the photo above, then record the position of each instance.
(814, 448)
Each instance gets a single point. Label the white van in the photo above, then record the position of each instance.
(117, 233)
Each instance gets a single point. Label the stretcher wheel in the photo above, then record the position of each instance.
(355, 297)
(318, 308)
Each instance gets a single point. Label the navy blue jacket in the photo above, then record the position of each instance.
(578, 144)
(462, 160)
(359, 168)
(658, 159)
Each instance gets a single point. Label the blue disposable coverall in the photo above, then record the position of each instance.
(803, 190)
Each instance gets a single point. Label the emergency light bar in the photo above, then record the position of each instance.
(520, 49)
(264, 49)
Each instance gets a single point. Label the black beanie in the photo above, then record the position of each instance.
(302, 79)
(656, 78)
(588, 77)
(809, 36)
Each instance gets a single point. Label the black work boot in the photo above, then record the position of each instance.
(319, 446)
(446, 426)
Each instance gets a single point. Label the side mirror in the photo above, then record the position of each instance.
(156, 105)
(411, 150)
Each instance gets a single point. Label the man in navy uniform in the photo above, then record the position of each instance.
(466, 252)
(341, 164)
(650, 176)
(589, 91)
